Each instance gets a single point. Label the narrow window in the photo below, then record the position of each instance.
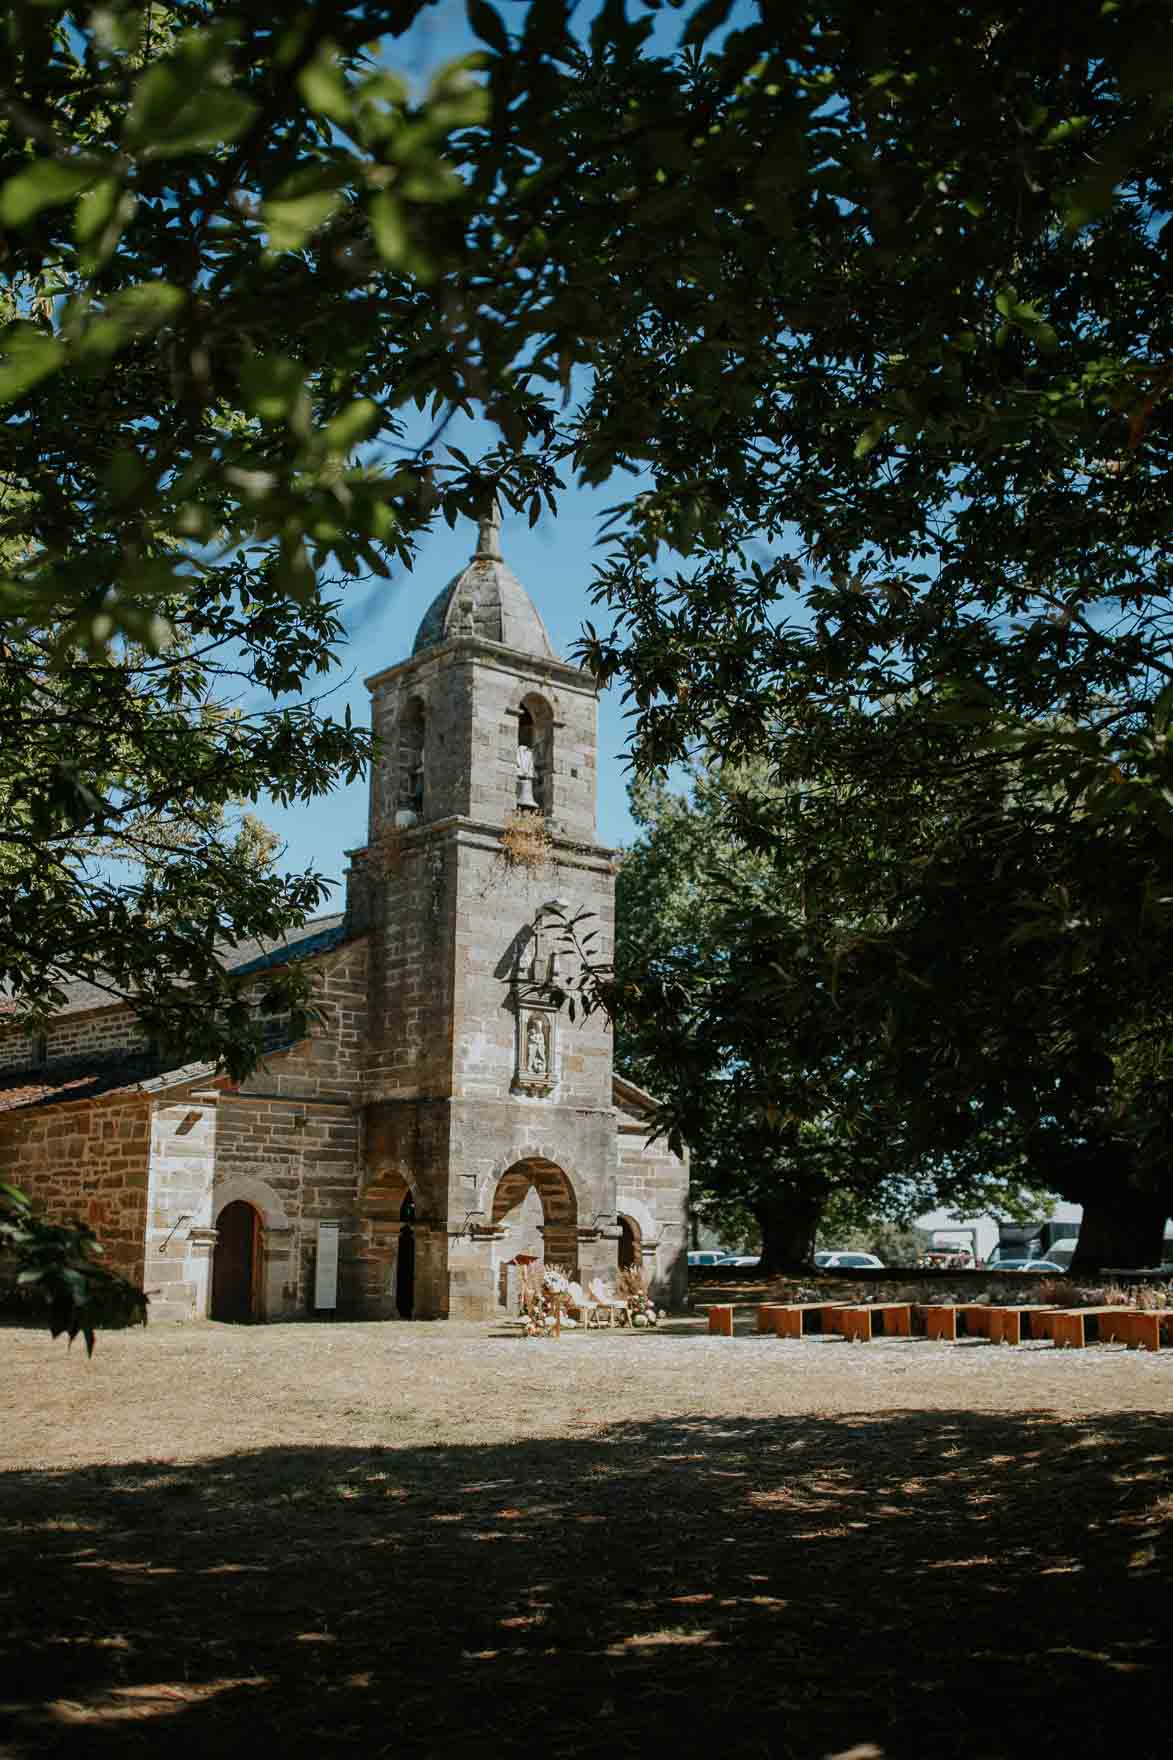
(409, 809)
(535, 754)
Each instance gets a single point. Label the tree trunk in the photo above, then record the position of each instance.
(1121, 1228)
(788, 1228)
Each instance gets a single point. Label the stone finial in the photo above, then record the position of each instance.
(489, 535)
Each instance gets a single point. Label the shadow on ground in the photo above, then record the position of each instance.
(935, 1585)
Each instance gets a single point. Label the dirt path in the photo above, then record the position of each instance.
(422, 1540)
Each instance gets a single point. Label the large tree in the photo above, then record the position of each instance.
(910, 432)
(882, 292)
(779, 1075)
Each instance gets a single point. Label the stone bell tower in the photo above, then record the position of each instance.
(490, 1126)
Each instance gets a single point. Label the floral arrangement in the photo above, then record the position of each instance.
(545, 1297)
(633, 1287)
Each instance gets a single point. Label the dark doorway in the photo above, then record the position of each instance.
(628, 1245)
(405, 1261)
(234, 1266)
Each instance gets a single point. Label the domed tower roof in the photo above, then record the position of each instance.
(485, 599)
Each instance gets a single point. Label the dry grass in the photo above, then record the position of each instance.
(427, 1540)
(526, 840)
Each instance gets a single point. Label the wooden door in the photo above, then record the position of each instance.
(234, 1264)
(405, 1274)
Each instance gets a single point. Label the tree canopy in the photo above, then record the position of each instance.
(875, 301)
(728, 1009)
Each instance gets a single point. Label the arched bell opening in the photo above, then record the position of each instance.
(410, 790)
(236, 1264)
(535, 755)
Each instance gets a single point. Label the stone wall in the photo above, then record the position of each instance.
(288, 1141)
(90, 1032)
(411, 966)
(87, 1159)
(179, 1221)
(652, 1193)
(498, 902)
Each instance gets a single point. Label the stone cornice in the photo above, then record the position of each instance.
(494, 653)
(482, 833)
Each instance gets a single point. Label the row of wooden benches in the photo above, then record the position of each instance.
(1075, 1327)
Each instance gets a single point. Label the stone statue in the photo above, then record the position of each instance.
(535, 1047)
(489, 534)
(466, 623)
(525, 777)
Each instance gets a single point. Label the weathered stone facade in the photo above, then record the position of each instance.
(444, 1110)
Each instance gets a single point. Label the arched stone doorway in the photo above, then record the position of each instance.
(513, 1205)
(236, 1264)
(630, 1243)
(405, 1261)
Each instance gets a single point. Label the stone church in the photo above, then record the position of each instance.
(440, 1111)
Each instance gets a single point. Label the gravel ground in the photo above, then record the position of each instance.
(182, 1393)
(417, 1542)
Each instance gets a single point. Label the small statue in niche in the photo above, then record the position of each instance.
(536, 1059)
(525, 777)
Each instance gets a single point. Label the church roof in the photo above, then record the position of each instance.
(487, 600)
(251, 955)
(86, 1078)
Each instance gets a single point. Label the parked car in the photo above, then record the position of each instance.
(705, 1258)
(849, 1262)
(740, 1261)
(1025, 1265)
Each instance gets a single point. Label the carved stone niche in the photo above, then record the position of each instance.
(535, 1066)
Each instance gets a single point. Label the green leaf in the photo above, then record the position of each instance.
(271, 385)
(47, 184)
(291, 222)
(707, 19)
(324, 88)
(100, 218)
(169, 117)
(1063, 131)
(486, 23)
(352, 425)
(387, 224)
(134, 312)
(27, 355)
(872, 435)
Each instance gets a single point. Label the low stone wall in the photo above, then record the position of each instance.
(997, 1288)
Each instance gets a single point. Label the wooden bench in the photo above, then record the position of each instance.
(951, 1320)
(859, 1323)
(721, 1320)
(939, 1320)
(1138, 1328)
(1006, 1324)
(1073, 1327)
(789, 1319)
(1145, 1325)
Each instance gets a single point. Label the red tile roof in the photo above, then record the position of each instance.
(86, 1078)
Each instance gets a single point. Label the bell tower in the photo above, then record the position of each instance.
(481, 1090)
